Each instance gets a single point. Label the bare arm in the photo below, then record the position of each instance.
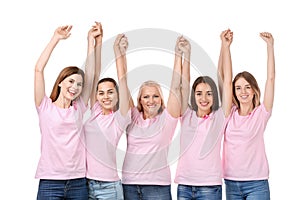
(98, 47)
(175, 96)
(226, 37)
(120, 47)
(62, 32)
(185, 77)
(90, 64)
(270, 83)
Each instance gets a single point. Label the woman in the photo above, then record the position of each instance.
(146, 173)
(199, 171)
(109, 118)
(246, 169)
(62, 166)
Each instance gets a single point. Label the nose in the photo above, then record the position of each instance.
(151, 100)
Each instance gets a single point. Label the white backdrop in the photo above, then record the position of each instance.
(27, 26)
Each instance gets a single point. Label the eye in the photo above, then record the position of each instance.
(237, 88)
(156, 96)
(79, 84)
(248, 87)
(198, 93)
(209, 93)
(71, 81)
(146, 97)
(100, 93)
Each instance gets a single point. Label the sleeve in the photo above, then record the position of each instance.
(123, 121)
(44, 104)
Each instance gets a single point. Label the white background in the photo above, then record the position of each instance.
(27, 26)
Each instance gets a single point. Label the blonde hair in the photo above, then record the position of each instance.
(150, 84)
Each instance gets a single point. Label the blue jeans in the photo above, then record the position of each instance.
(187, 192)
(72, 189)
(147, 192)
(247, 190)
(105, 190)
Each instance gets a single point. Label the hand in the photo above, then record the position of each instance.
(120, 45)
(267, 37)
(95, 31)
(183, 46)
(226, 37)
(63, 32)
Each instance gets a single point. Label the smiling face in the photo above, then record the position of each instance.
(71, 87)
(203, 98)
(151, 101)
(243, 91)
(107, 96)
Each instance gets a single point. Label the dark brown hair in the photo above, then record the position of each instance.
(211, 83)
(115, 85)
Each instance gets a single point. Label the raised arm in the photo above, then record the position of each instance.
(120, 47)
(90, 63)
(175, 96)
(185, 47)
(270, 83)
(98, 47)
(226, 71)
(60, 33)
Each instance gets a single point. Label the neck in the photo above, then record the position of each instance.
(62, 102)
(202, 114)
(147, 115)
(245, 109)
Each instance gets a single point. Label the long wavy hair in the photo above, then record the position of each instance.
(66, 72)
(253, 83)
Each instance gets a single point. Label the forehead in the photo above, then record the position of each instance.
(106, 85)
(76, 77)
(150, 90)
(203, 87)
(242, 81)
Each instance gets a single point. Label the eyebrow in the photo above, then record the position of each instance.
(203, 91)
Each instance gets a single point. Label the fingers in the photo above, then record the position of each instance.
(266, 34)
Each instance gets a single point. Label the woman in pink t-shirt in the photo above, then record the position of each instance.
(246, 169)
(109, 118)
(199, 171)
(146, 173)
(62, 167)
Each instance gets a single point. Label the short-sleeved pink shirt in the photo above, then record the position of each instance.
(62, 141)
(244, 156)
(148, 141)
(102, 134)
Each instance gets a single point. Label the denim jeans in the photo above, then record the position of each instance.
(249, 190)
(147, 192)
(188, 192)
(105, 190)
(72, 189)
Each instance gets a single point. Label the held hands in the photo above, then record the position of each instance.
(226, 37)
(183, 47)
(95, 32)
(267, 37)
(63, 32)
(120, 45)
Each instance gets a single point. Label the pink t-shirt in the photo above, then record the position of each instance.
(62, 145)
(200, 144)
(244, 149)
(148, 143)
(102, 133)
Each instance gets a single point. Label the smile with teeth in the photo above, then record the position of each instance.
(73, 93)
(244, 96)
(204, 103)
